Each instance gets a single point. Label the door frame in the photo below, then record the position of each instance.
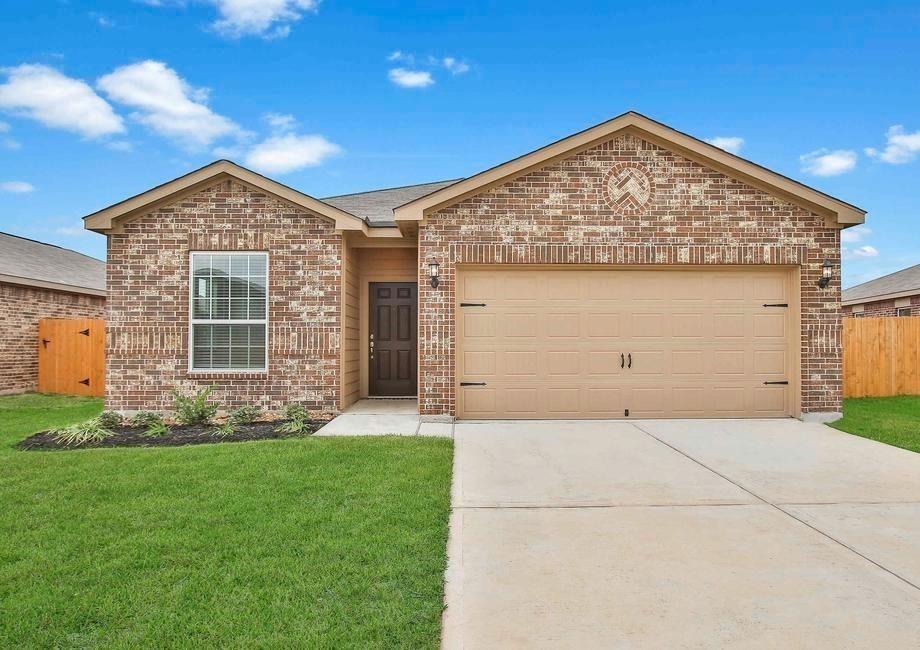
(365, 324)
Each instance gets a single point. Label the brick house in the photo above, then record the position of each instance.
(40, 281)
(628, 270)
(895, 294)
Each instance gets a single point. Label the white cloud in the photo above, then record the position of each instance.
(280, 122)
(411, 78)
(266, 18)
(43, 94)
(399, 55)
(731, 144)
(823, 162)
(900, 148)
(856, 253)
(120, 145)
(280, 154)
(4, 127)
(854, 234)
(454, 66)
(167, 104)
(16, 187)
(101, 19)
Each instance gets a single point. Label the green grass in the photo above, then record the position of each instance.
(892, 420)
(304, 542)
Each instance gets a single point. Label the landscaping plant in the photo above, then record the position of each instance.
(110, 419)
(296, 420)
(78, 434)
(195, 409)
(246, 414)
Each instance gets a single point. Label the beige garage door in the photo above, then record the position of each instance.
(548, 343)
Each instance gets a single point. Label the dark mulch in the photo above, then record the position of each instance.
(181, 434)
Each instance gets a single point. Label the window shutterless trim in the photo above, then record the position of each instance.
(192, 321)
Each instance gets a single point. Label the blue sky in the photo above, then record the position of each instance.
(101, 100)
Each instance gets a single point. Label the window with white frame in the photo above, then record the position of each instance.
(903, 311)
(229, 311)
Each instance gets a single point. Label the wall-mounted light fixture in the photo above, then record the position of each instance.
(825, 274)
(433, 270)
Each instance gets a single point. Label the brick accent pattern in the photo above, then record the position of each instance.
(558, 214)
(883, 308)
(148, 285)
(21, 308)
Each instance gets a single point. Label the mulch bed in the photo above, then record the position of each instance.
(180, 434)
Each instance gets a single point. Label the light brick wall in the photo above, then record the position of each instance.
(147, 346)
(21, 308)
(884, 308)
(559, 214)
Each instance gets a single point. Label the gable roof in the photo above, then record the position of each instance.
(106, 219)
(838, 212)
(905, 282)
(36, 264)
(377, 206)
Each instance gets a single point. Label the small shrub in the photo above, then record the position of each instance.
(296, 420)
(143, 419)
(225, 429)
(82, 433)
(110, 419)
(245, 414)
(195, 409)
(155, 429)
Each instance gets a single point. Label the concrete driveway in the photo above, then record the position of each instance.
(715, 533)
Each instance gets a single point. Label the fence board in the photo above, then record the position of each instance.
(881, 356)
(71, 356)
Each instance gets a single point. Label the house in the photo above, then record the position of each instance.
(895, 294)
(39, 281)
(629, 270)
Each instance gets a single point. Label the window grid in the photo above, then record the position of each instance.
(228, 311)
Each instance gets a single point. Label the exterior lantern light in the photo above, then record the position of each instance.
(825, 274)
(433, 269)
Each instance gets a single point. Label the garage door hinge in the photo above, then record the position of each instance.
(472, 304)
(775, 383)
(776, 304)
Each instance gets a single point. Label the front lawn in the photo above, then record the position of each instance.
(303, 542)
(892, 420)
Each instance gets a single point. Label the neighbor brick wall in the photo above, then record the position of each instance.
(884, 308)
(21, 308)
(148, 280)
(558, 214)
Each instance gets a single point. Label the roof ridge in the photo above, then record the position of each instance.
(882, 277)
(44, 243)
(387, 189)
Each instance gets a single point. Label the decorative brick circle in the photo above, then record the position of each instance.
(628, 188)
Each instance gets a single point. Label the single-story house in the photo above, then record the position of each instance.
(628, 270)
(895, 294)
(39, 281)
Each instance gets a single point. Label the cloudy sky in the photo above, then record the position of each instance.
(102, 100)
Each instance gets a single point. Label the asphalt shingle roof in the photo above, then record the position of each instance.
(34, 260)
(898, 282)
(377, 206)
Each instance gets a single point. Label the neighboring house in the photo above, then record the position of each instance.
(628, 270)
(40, 281)
(896, 294)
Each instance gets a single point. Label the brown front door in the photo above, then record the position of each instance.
(393, 338)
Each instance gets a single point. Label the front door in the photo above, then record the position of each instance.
(393, 339)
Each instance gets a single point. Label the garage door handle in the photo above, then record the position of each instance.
(473, 383)
(622, 360)
(472, 304)
(629, 365)
(776, 383)
(776, 304)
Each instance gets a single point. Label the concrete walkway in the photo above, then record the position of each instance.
(680, 534)
(384, 417)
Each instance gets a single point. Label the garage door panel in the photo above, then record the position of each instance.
(548, 342)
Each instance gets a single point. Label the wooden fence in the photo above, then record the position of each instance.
(881, 356)
(71, 356)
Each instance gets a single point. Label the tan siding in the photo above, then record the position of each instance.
(351, 328)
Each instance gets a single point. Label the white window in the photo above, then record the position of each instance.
(229, 311)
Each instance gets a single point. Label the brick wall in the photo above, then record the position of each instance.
(884, 308)
(562, 214)
(148, 281)
(21, 308)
